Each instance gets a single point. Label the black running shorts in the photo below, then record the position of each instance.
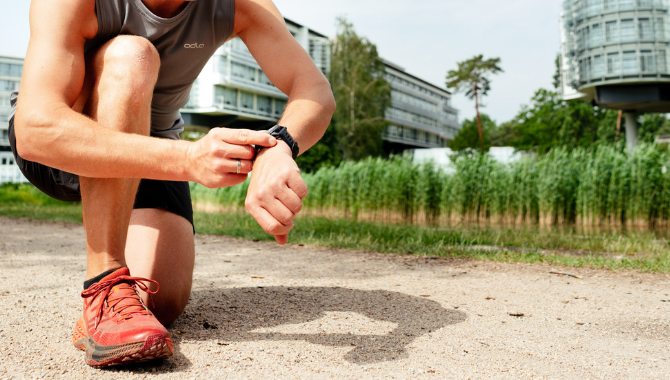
(173, 196)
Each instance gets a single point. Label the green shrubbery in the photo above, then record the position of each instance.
(602, 185)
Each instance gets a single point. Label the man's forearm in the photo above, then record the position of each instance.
(69, 141)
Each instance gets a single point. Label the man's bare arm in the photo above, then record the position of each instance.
(49, 131)
(276, 189)
(311, 104)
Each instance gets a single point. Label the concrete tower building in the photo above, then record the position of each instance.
(615, 53)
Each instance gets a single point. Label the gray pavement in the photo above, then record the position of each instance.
(260, 311)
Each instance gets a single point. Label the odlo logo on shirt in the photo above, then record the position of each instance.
(194, 46)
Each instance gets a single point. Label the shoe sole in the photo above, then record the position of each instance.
(153, 347)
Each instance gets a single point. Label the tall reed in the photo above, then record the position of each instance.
(592, 187)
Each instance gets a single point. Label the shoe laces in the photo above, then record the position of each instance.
(124, 310)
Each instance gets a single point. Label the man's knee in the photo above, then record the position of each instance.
(168, 309)
(129, 60)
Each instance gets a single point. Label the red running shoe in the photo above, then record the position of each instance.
(117, 328)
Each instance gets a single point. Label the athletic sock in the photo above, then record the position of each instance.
(88, 283)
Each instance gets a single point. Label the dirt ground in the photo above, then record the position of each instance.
(260, 311)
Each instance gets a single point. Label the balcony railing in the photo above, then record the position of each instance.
(11, 174)
(410, 141)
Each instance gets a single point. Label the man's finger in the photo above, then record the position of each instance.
(291, 200)
(297, 184)
(239, 152)
(246, 137)
(281, 239)
(269, 224)
(245, 166)
(280, 212)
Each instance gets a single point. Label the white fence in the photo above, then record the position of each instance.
(9, 172)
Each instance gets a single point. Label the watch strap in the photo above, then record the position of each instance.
(281, 133)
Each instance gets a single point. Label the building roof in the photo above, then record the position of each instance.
(289, 21)
(402, 70)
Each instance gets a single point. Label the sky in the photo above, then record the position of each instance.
(426, 37)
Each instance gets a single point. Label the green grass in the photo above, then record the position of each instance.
(25, 201)
(638, 250)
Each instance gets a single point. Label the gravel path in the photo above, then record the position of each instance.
(260, 311)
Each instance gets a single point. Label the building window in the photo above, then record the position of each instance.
(264, 79)
(8, 85)
(659, 28)
(246, 100)
(626, 4)
(598, 66)
(627, 30)
(10, 70)
(596, 35)
(609, 5)
(264, 103)
(644, 3)
(222, 65)
(662, 68)
(611, 32)
(613, 64)
(594, 7)
(4, 118)
(586, 37)
(279, 106)
(645, 29)
(629, 63)
(5, 135)
(240, 47)
(243, 71)
(647, 62)
(225, 97)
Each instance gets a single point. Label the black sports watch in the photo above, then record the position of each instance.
(281, 133)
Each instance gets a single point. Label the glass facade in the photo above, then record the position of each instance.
(11, 70)
(420, 114)
(610, 41)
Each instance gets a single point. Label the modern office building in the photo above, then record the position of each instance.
(615, 53)
(232, 91)
(421, 115)
(10, 79)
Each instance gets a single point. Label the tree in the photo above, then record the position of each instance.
(323, 153)
(467, 137)
(549, 121)
(472, 77)
(652, 125)
(361, 93)
(557, 74)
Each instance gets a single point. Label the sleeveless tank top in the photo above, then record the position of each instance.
(185, 43)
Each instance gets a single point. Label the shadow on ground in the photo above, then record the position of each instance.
(233, 315)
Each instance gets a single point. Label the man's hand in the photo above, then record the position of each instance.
(214, 157)
(276, 191)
